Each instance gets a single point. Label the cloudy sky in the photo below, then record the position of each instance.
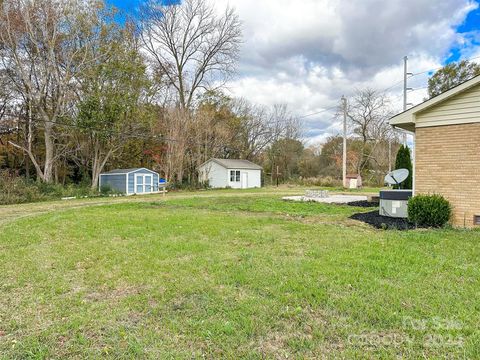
(308, 53)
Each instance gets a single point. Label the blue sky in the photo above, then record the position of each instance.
(470, 25)
(130, 6)
(311, 52)
(469, 29)
(472, 22)
(125, 5)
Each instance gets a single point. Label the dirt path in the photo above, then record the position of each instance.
(10, 213)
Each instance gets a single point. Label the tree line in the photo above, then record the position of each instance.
(82, 91)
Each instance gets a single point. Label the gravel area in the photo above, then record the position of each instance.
(331, 199)
(383, 222)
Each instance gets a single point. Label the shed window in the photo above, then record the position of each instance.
(234, 175)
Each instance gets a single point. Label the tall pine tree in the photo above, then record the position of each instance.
(403, 161)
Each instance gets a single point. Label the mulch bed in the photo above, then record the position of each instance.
(363, 203)
(383, 222)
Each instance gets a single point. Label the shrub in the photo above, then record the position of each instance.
(429, 210)
(57, 191)
(325, 181)
(105, 189)
(15, 189)
(403, 161)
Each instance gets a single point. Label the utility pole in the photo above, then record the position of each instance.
(344, 163)
(389, 154)
(278, 173)
(405, 89)
(405, 60)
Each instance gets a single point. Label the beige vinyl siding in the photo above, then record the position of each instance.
(459, 109)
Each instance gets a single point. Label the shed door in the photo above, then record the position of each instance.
(144, 183)
(244, 180)
(139, 181)
(353, 183)
(148, 181)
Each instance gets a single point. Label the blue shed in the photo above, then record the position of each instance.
(131, 181)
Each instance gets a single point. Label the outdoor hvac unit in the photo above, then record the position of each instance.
(393, 203)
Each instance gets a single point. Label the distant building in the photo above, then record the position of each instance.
(354, 181)
(237, 174)
(130, 181)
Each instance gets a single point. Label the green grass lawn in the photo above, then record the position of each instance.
(234, 276)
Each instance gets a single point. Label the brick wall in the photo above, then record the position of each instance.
(448, 163)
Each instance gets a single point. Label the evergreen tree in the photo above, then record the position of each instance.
(403, 161)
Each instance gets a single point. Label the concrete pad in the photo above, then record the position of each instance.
(331, 199)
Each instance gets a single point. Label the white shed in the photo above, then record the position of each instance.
(237, 174)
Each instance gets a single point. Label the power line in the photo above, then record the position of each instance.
(419, 88)
(392, 86)
(318, 112)
(161, 137)
(130, 136)
(98, 130)
(438, 68)
(336, 106)
(409, 75)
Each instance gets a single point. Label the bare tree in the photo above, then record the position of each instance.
(212, 133)
(42, 46)
(190, 45)
(5, 100)
(262, 126)
(176, 136)
(368, 113)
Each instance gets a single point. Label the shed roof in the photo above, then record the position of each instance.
(125, 171)
(406, 120)
(235, 164)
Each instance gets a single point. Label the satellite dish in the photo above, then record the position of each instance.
(396, 177)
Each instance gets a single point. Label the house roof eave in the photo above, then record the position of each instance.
(406, 119)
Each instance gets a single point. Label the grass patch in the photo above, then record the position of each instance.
(262, 204)
(233, 277)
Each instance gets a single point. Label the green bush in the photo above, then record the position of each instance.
(325, 181)
(57, 191)
(15, 189)
(429, 210)
(403, 161)
(105, 189)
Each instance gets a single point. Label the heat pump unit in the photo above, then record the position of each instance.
(393, 203)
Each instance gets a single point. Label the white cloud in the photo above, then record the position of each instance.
(307, 54)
